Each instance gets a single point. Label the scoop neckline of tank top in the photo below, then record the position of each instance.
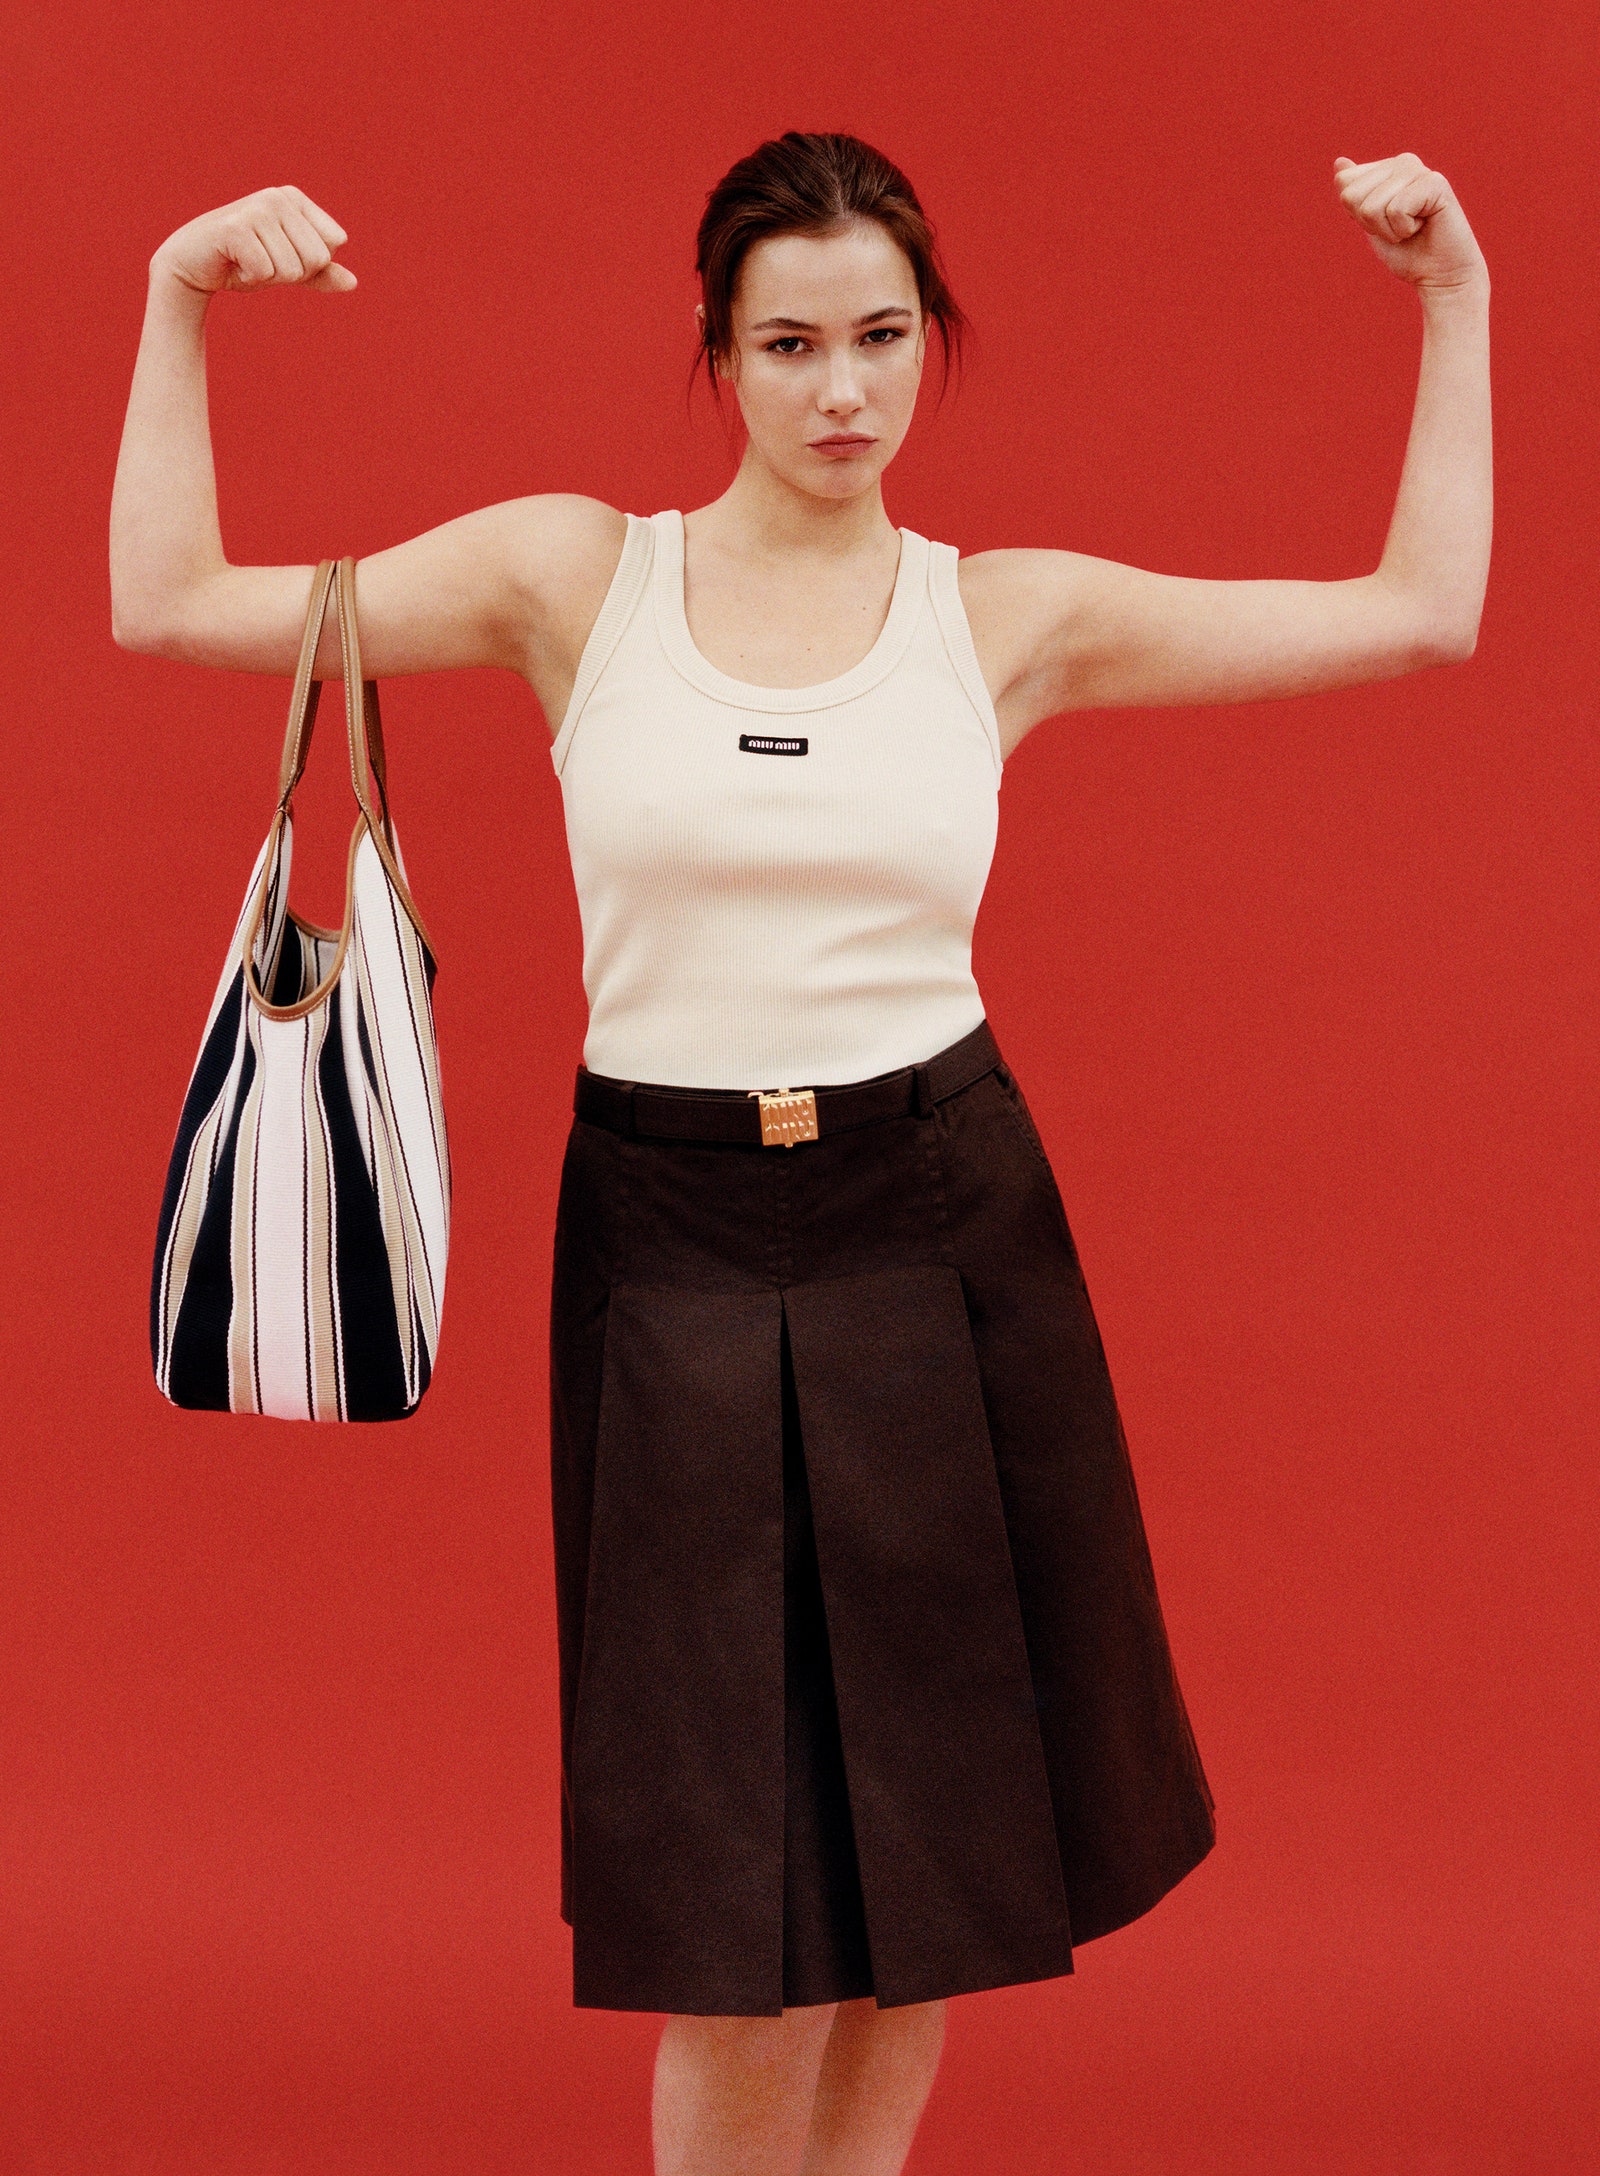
(672, 619)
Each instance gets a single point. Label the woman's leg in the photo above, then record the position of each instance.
(733, 2095)
(877, 2071)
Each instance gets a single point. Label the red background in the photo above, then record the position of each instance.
(1302, 994)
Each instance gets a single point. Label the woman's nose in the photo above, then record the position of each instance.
(841, 391)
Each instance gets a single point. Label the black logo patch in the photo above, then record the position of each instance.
(770, 744)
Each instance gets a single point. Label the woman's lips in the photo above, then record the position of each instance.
(837, 447)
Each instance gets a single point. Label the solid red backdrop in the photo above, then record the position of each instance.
(1303, 995)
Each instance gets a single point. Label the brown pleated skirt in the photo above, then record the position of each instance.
(865, 1687)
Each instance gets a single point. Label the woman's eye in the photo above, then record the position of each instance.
(791, 343)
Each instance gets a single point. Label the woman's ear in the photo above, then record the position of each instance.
(700, 327)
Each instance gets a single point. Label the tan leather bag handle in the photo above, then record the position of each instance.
(364, 733)
(363, 723)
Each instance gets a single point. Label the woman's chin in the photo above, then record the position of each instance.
(835, 479)
(828, 477)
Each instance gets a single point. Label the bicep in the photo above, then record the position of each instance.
(481, 589)
(1072, 632)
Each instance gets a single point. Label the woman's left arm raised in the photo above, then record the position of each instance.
(1060, 630)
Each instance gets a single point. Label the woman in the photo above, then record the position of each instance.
(866, 1695)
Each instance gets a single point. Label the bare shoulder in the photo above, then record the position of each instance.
(562, 551)
(562, 547)
(1000, 583)
(565, 521)
(1015, 600)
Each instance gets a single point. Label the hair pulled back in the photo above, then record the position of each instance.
(802, 184)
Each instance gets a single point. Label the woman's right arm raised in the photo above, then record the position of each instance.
(517, 584)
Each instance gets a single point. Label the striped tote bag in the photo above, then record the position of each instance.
(300, 1250)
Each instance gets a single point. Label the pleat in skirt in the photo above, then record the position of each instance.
(865, 1684)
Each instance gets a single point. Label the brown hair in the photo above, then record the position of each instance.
(799, 184)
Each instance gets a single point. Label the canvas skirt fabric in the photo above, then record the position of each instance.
(865, 1687)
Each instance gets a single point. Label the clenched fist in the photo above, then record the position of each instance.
(272, 238)
(1412, 220)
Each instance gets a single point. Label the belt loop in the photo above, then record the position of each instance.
(630, 1128)
(922, 1091)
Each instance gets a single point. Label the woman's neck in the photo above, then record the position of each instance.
(762, 516)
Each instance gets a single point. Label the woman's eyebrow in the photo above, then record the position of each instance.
(799, 324)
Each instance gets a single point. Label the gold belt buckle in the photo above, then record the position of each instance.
(788, 1116)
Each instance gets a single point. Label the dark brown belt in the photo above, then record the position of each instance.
(781, 1117)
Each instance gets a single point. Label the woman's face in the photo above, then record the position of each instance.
(829, 339)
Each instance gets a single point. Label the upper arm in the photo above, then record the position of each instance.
(516, 584)
(1064, 631)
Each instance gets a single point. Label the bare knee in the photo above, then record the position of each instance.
(874, 2055)
(875, 2080)
(735, 2093)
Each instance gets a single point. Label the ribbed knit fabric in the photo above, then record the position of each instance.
(777, 885)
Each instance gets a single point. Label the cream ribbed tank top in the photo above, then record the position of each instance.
(777, 886)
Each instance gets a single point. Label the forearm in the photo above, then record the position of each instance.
(1436, 558)
(172, 590)
(165, 536)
